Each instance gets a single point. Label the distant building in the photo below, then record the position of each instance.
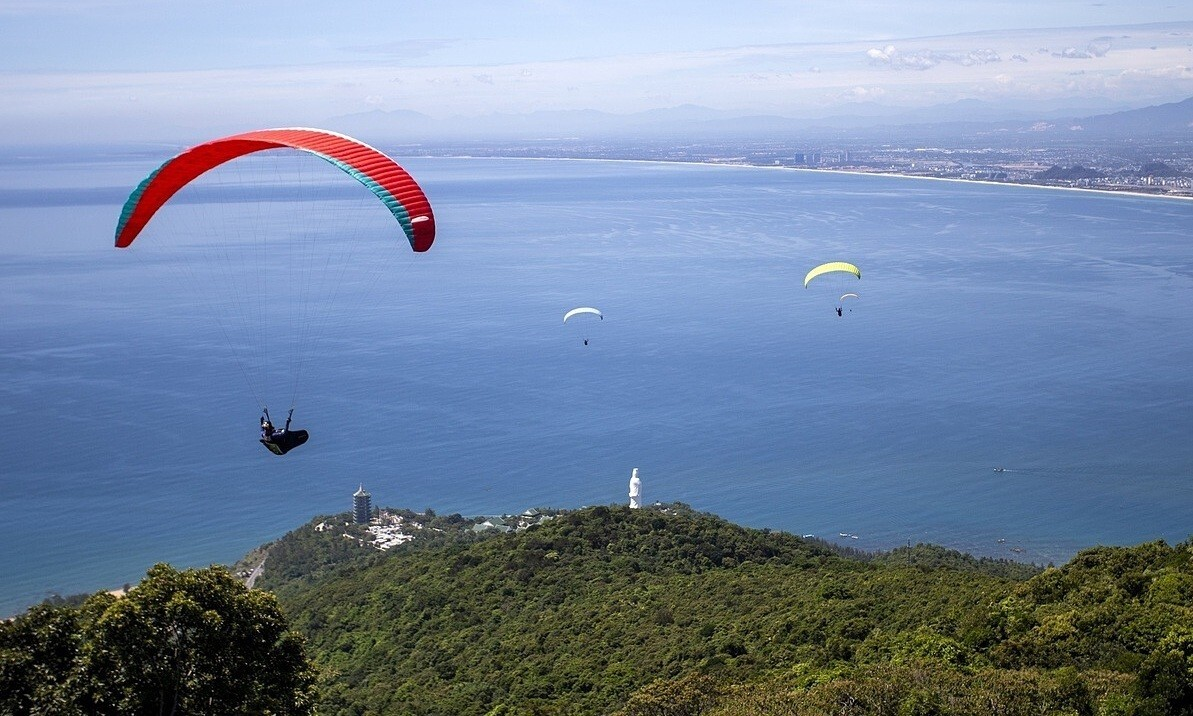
(493, 523)
(807, 159)
(362, 506)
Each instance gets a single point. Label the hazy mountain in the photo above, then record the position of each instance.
(963, 119)
(548, 124)
(1173, 119)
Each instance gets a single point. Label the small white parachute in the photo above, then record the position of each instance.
(584, 324)
(582, 309)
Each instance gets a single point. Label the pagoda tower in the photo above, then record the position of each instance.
(362, 505)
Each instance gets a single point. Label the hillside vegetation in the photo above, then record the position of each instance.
(666, 611)
(653, 612)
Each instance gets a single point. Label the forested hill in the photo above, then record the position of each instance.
(666, 611)
(666, 537)
(652, 612)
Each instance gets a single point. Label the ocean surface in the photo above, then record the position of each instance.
(1044, 332)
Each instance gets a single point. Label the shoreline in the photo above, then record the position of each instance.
(811, 170)
(1110, 192)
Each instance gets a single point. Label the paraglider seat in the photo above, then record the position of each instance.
(283, 441)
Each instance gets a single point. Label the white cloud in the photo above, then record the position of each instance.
(862, 93)
(881, 55)
(1097, 47)
(927, 59)
(1175, 72)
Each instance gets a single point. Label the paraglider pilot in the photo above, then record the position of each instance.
(281, 441)
(267, 429)
(838, 310)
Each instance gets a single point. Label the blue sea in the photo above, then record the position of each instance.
(1048, 333)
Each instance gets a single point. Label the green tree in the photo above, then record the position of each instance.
(191, 642)
(690, 695)
(1166, 676)
(37, 653)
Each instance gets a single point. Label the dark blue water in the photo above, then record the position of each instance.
(1045, 332)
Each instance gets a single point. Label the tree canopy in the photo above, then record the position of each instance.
(181, 642)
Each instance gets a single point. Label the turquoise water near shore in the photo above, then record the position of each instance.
(1044, 332)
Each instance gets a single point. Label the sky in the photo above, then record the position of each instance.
(149, 70)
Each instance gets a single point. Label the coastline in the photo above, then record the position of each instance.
(811, 170)
(1026, 185)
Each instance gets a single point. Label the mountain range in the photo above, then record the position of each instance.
(963, 120)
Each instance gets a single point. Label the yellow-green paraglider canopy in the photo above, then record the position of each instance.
(829, 268)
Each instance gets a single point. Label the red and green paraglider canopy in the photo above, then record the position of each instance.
(388, 181)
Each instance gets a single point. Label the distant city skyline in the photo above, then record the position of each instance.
(128, 70)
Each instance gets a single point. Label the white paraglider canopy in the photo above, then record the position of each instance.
(582, 309)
